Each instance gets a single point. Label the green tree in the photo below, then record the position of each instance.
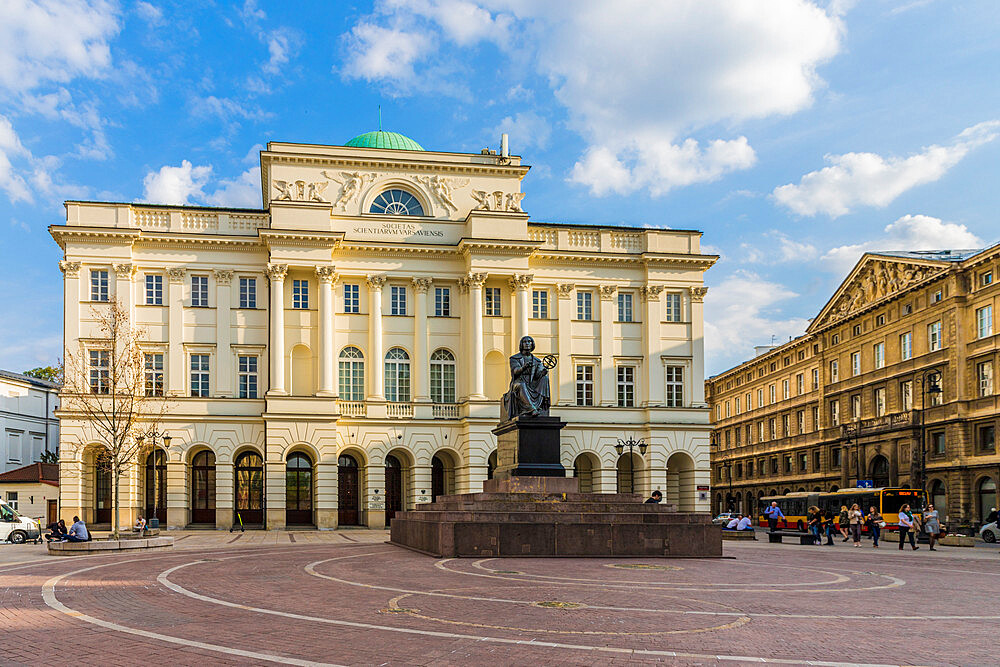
(48, 373)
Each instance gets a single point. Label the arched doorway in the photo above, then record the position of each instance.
(393, 487)
(629, 473)
(938, 497)
(442, 475)
(348, 491)
(103, 501)
(156, 486)
(491, 464)
(203, 488)
(986, 497)
(681, 489)
(298, 490)
(879, 471)
(249, 504)
(583, 470)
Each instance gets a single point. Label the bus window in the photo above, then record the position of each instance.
(893, 499)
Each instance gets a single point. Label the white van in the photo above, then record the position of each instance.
(15, 528)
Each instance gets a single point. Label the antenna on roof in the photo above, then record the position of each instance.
(380, 118)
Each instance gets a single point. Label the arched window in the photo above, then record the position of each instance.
(397, 376)
(442, 376)
(880, 472)
(298, 490)
(203, 487)
(986, 497)
(396, 202)
(156, 485)
(938, 497)
(352, 374)
(249, 488)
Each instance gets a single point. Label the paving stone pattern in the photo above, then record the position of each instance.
(349, 598)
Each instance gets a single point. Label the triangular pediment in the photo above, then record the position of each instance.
(875, 278)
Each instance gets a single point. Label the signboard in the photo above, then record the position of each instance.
(703, 487)
(866, 484)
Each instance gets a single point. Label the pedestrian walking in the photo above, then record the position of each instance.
(814, 524)
(773, 513)
(907, 527)
(854, 518)
(826, 525)
(875, 524)
(842, 521)
(932, 525)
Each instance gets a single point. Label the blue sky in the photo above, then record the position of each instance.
(795, 134)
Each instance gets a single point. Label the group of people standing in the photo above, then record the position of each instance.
(850, 522)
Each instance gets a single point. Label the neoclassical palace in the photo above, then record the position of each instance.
(340, 354)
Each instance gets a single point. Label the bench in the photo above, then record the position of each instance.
(730, 534)
(109, 546)
(804, 538)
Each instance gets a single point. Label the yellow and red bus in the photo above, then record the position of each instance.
(795, 506)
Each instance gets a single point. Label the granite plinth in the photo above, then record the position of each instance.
(529, 447)
(522, 516)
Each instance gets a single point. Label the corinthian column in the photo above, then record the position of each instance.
(519, 284)
(276, 274)
(325, 275)
(698, 346)
(377, 388)
(474, 282)
(421, 364)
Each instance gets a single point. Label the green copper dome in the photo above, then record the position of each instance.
(380, 139)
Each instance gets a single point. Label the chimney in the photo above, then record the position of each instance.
(503, 146)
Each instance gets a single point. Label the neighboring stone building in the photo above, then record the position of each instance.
(33, 491)
(855, 396)
(27, 419)
(340, 355)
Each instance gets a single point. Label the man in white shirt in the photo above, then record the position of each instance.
(744, 523)
(735, 521)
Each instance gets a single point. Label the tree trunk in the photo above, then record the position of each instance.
(116, 474)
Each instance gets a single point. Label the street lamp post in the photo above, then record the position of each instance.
(930, 383)
(153, 435)
(631, 444)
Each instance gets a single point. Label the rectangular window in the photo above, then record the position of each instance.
(247, 376)
(936, 297)
(816, 461)
(834, 339)
(834, 371)
(815, 417)
(984, 322)
(937, 443)
(300, 294)
(12, 500)
(675, 388)
(800, 419)
(749, 432)
(879, 396)
(770, 394)
(154, 290)
(14, 446)
(879, 320)
(856, 407)
(737, 402)
(760, 431)
(788, 465)
(986, 438)
(352, 300)
(784, 389)
(785, 432)
(835, 455)
(835, 413)
(855, 363)
(199, 375)
(98, 285)
(749, 404)
(803, 461)
(492, 296)
(584, 384)
(772, 428)
(540, 304)
(199, 291)
(738, 434)
(728, 412)
(984, 378)
(934, 337)
(442, 301)
(397, 300)
(760, 398)
(626, 386)
(986, 279)
(856, 331)
(906, 346)
(248, 292)
(815, 379)
(800, 384)
(774, 465)
(153, 373)
(584, 306)
(100, 369)
(442, 378)
(673, 307)
(624, 306)
(906, 309)
(906, 395)
(879, 355)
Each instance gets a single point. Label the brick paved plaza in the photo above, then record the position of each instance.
(348, 598)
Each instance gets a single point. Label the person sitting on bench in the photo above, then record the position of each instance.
(77, 532)
(745, 523)
(735, 521)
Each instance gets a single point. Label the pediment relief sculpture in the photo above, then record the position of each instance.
(498, 200)
(443, 189)
(875, 282)
(351, 183)
(299, 190)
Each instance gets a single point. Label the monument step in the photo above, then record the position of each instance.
(560, 507)
(582, 517)
(546, 497)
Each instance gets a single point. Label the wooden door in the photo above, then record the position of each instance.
(393, 488)
(102, 495)
(52, 511)
(437, 478)
(298, 490)
(348, 492)
(250, 489)
(203, 488)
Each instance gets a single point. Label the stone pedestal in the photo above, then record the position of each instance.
(529, 447)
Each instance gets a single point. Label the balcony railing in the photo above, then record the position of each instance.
(352, 408)
(445, 411)
(397, 410)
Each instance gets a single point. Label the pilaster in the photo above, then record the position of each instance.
(607, 380)
(223, 334)
(276, 275)
(565, 393)
(176, 369)
(376, 362)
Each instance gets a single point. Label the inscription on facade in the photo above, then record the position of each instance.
(401, 231)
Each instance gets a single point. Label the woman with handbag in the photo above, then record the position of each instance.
(855, 516)
(932, 525)
(842, 521)
(907, 527)
(876, 523)
(814, 525)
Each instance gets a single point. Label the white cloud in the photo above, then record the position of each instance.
(176, 185)
(149, 13)
(779, 249)
(742, 311)
(378, 53)
(55, 41)
(868, 179)
(526, 129)
(240, 192)
(11, 148)
(911, 232)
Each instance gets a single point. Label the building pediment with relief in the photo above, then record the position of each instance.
(874, 279)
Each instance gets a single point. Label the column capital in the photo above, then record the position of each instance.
(276, 271)
(421, 285)
(565, 290)
(651, 292)
(608, 292)
(698, 294)
(520, 281)
(69, 269)
(474, 279)
(223, 277)
(123, 270)
(375, 282)
(176, 274)
(325, 274)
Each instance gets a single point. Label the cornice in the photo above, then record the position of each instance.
(574, 257)
(396, 165)
(498, 247)
(167, 241)
(101, 235)
(299, 238)
(393, 249)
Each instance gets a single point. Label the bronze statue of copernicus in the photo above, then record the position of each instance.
(529, 383)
